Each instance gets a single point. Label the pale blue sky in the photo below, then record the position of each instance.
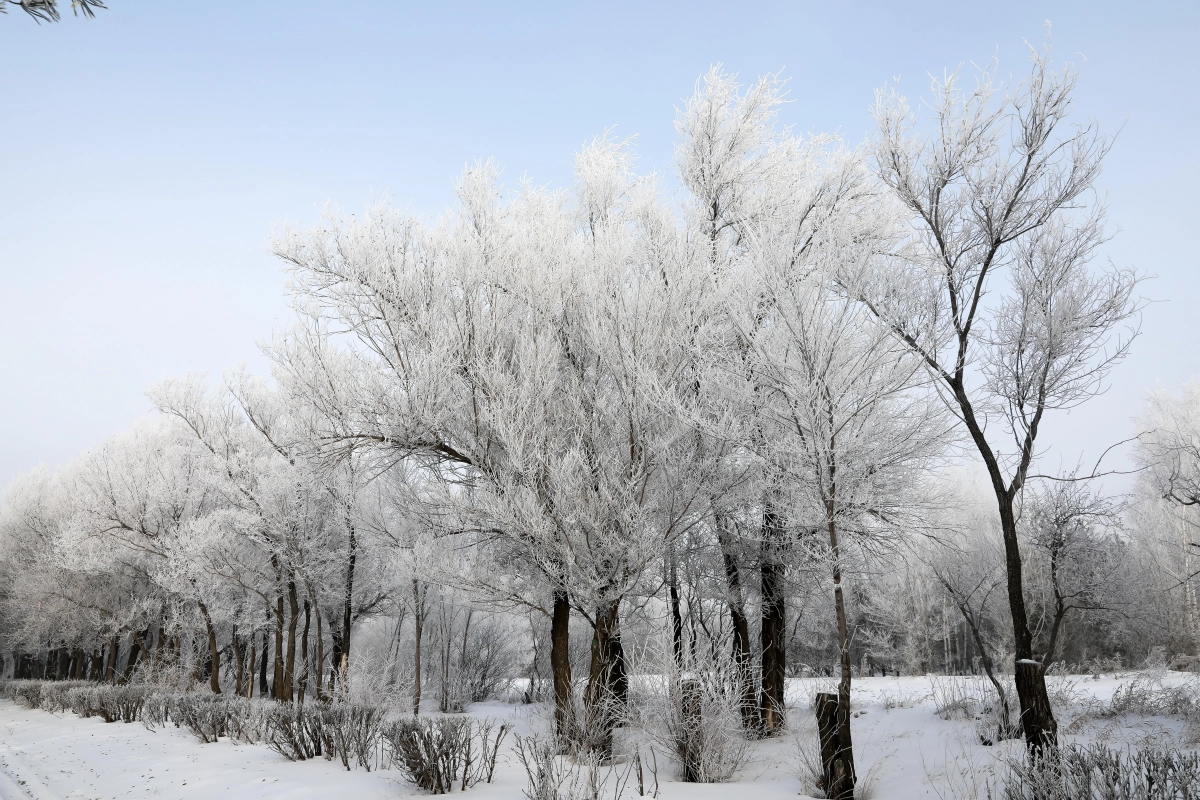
(145, 154)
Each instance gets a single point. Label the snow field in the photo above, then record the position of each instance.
(903, 748)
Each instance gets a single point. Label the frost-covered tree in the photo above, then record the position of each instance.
(995, 289)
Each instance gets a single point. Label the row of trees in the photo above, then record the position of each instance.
(609, 403)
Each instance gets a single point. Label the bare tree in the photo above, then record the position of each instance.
(994, 290)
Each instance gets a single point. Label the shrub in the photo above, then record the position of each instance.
(120, 702)
(351, 731)
(1097, 773)
(206, 716)
(697, 716)
(27, 693)
(551, 777)
(294, 731)
(440, 754)
(55, 695)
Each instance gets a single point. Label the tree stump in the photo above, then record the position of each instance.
(838, 777)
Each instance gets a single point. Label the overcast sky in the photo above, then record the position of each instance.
(145, 155)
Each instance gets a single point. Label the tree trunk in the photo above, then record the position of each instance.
(607, 689)
(1037, 718)
(676, 614)
(834, 783)
(110, 669)
(742, 658)
(560, 665)
(347, 611)
(303, 682)
(419, 626)
(96, 665)
(135, 650)
(214, 675)
(289, 670)
(239, 660)
(277, 674)
(773, 627)
(842, 786)
(262, 669)
(320, 652)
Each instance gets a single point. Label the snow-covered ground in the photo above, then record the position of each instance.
(900, 743)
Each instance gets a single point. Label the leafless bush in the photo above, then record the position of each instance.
(900, 699)
(444, 753)
(1097, 773)
(26, 692)
(55, 695)
(697, 715)
(350, 731)
(294, 731)
(112, 703)
(1149, 696)
(956, 696)
(551, 776)
(206, 716)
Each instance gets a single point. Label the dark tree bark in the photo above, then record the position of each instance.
(348, 607)
(846, 778)
(742, 657)
(419, 627)
(135, 651)
(110, 669)
(262, 670)
(96, 665)
(773, 626)
(238, 659)
(320, 653)
(837, 780)
(277, 673)
(214, 656)
(676, 614)
(289, 669)
(303, 682)
(560, 665)
(607, 688)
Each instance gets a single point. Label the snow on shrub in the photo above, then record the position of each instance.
(1097, 773)
(444, 753)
